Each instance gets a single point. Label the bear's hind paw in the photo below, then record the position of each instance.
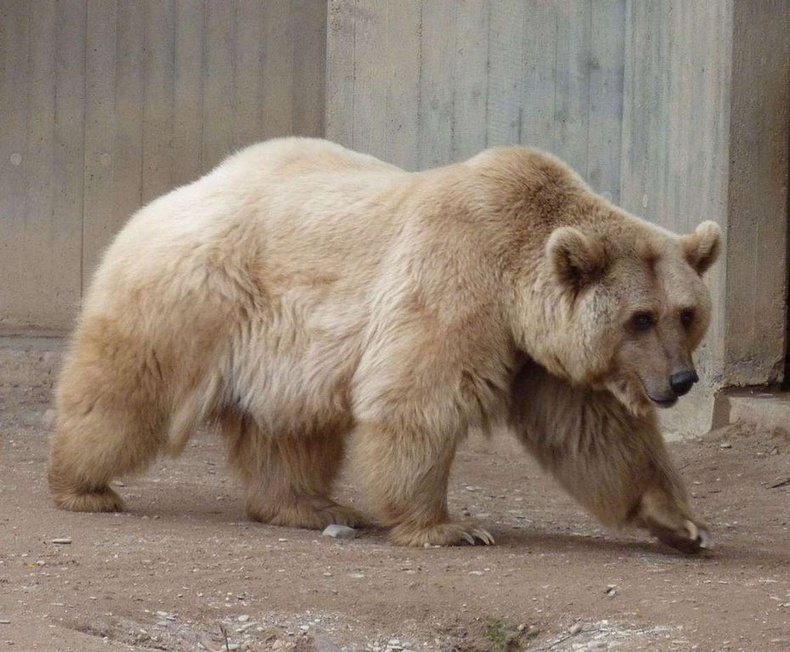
(102, 500)
(312, 514)
(440, 534)
(342, 515)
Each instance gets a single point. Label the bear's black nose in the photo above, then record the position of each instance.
(682, 381)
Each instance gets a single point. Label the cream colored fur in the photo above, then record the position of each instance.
(302, 296)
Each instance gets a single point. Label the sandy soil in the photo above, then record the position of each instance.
(184, 569)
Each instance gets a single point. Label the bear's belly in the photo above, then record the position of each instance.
(296, 390)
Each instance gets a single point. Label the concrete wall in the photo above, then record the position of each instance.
(679, 110)
(106, 104)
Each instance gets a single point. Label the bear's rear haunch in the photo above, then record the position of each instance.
(302, 298)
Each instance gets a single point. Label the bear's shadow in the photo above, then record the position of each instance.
(512, 539)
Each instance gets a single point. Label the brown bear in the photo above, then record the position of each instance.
(302, 297)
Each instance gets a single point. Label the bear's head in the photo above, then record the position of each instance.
(631, 306)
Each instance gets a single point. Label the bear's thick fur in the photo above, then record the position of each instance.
(302, 296)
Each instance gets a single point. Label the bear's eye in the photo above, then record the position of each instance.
(642, 321)
(687, 317)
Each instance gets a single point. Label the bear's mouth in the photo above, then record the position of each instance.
(664, 402)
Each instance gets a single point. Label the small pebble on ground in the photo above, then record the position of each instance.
(339, 532)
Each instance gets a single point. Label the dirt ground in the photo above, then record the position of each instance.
(184, 569)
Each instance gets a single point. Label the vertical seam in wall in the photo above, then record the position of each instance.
(84, 143)
(323, 82)
(554, 77)
(620, 72)
(174, 73)
(786, 320)
(720, 344)
(524, 78)
(523, 82)
(419, 85)
(626, 29)
(234, 61)
(53, 127)
(143, 107)
(488, 75)
(389, 74)
(666, 93)
(28, 102)
(203, 70)
(786, 367)
(453, 153)
(114, 205)
(589, 86)
(113, 161)
(353, 138)
(261, 62)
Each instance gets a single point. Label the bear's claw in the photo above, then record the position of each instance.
(483, 535)
(705, 540)
(478, 534)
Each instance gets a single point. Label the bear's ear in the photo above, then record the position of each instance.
(576, 259)
(701, 248)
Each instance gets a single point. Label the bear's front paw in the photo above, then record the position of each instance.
(669, 519)
(691, 538)
(440, 534)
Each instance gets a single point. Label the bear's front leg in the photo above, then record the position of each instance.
(405, 474)
(612, 462)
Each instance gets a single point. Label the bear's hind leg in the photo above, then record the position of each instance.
(406, 475)
(612, 462)
(289, 479)
(106, 426)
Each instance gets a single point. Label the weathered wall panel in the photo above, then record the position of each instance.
(30, 242)
(126, 155)
(757, 193)
(187, 138)
(308, 32)
(572, 79)
(436, 108)
(607, 61)
(549, 74)
(14, 70)
(68, 161)
(485, 73)
(645, 109)
(506, 27)
(106, 104)
(470, 76)
(340, 91)
(537, 104)
(158, 97)
(100, 123)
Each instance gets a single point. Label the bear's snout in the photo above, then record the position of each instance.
(682, 381)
